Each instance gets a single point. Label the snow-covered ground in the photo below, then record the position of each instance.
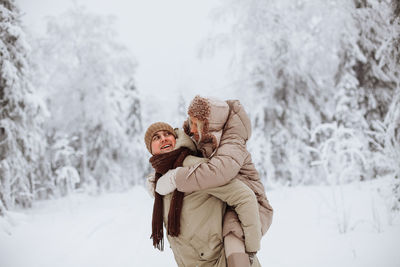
(114, 229)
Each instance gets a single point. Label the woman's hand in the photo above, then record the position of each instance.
(166, 184)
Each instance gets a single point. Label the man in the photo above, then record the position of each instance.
(200, 241)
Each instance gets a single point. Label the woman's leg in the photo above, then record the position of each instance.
(234, 241)
(233, 244)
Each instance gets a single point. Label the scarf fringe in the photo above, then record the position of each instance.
(174, 215)
(157, 225)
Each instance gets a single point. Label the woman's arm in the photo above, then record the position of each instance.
(193, 160)
(223, 166)
(219, 170)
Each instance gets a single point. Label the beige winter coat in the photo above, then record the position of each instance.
(200, 242)
(229, 161)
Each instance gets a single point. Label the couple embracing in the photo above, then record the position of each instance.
(207, 192)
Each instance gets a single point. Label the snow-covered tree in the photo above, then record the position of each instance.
(134, 118)
(368, 76)
(86, 78)
(308, 64)
(21, 115)
(392, 147)
(375, 69)
(289, 55)
(181, 112)
(134, 154)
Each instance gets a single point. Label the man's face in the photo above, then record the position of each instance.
(162, 142)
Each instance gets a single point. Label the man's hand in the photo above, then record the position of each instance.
(166, 184)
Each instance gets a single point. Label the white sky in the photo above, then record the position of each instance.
(164, 36)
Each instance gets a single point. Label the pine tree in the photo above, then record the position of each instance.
(289, 57)
(21, 115)
(392, 120)
(134, 162)
(134, 118)
(367, 77)
(375, 71)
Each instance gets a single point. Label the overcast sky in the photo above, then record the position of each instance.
(164, 37)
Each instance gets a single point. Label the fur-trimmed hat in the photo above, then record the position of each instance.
(213, 113)
(153, 128)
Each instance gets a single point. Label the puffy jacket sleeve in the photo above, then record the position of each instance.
(223, 166)
(239, 196)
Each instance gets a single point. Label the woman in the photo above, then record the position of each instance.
(221, 130)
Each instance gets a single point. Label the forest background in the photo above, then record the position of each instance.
(320, 80)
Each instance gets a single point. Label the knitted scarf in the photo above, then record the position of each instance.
(162, 163)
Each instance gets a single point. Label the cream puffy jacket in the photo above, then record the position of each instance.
(229, 161)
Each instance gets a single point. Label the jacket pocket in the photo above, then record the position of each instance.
(207, 250)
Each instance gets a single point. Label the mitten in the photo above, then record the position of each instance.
(166, 184)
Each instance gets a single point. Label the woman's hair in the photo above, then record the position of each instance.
(200, 125)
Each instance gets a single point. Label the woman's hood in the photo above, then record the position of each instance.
(221, 118)
(238, 121)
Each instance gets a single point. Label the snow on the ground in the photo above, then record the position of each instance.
(114, 229)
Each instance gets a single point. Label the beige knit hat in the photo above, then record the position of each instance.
(153, 128)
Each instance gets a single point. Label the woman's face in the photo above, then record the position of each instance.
(193, 125)
(162, 142)
(194, 129)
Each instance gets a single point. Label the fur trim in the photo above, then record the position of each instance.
(208, 145)
(183, 140)
(200, 109)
